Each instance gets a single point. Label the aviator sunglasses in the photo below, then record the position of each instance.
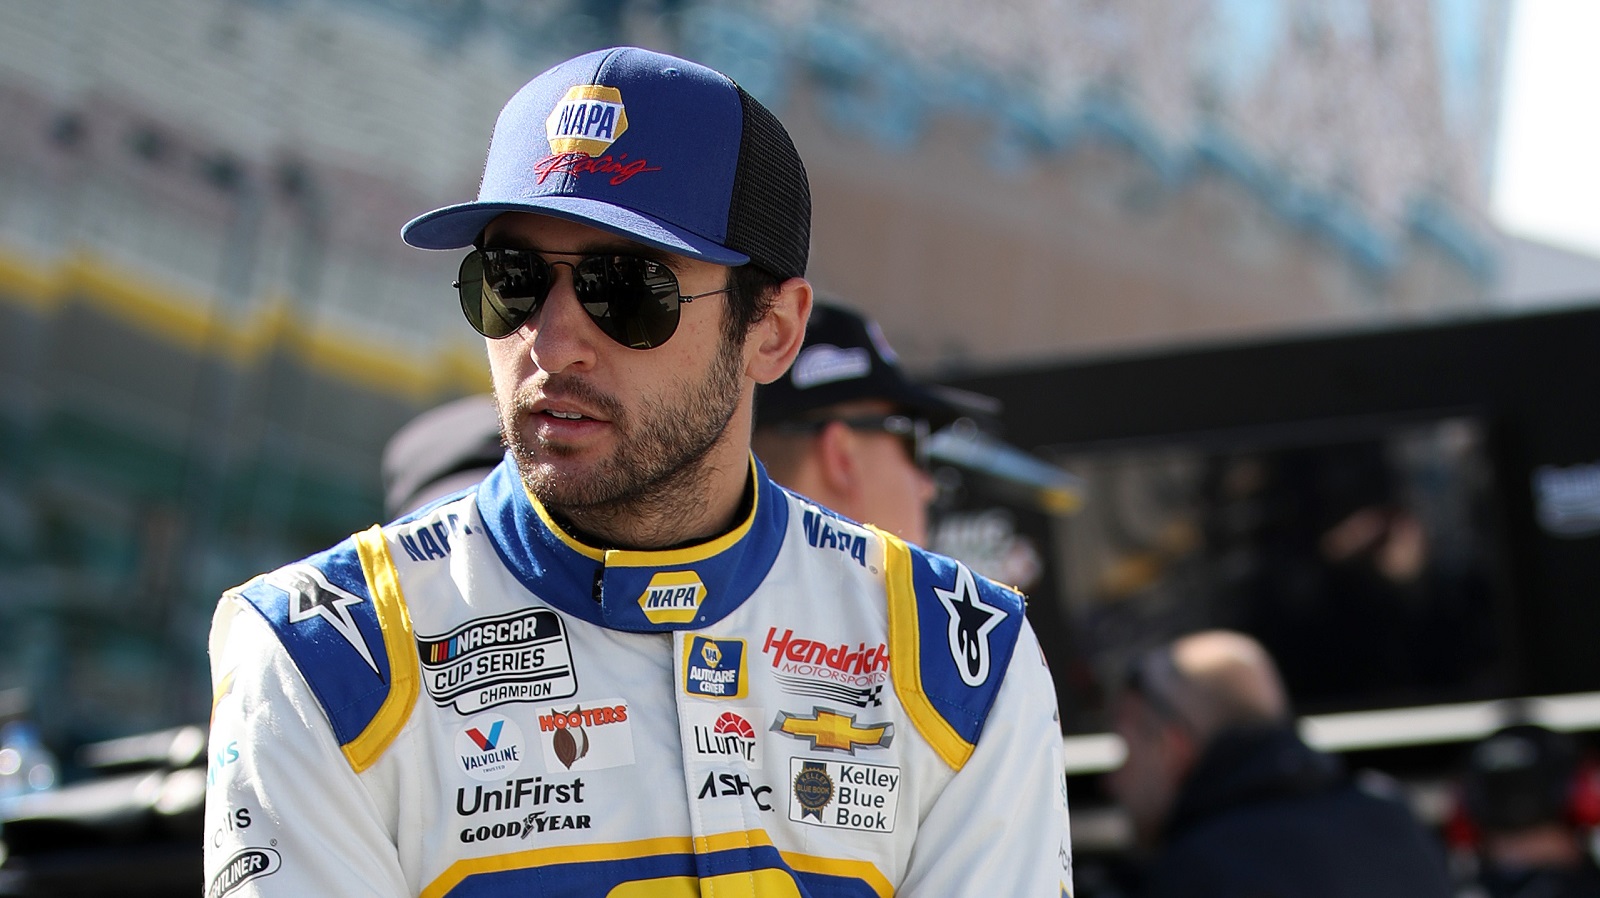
(912, 432)
(632, 299)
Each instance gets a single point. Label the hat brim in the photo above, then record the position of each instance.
(456, 227)
(939, 411)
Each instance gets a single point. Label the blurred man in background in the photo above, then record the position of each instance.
(448, 447)
(1532, 809)
(847, 428)
(1233, 803)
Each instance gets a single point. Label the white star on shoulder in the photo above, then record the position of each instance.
(312, 595)
(970, 623)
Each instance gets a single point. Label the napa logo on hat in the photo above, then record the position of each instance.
(587, 120)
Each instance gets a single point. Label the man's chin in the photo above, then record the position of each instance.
(563, 483)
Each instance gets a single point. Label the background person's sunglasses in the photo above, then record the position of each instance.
(913, 432)
(633, 299)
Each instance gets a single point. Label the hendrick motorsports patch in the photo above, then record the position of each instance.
(844, 795)
(519, 657)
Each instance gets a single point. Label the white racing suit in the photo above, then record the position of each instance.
(470, 702)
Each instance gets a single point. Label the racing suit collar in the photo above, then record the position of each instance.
(685, 588)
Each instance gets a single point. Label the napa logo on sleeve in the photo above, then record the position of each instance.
(715, 668)
(673, 597)
(587, 120)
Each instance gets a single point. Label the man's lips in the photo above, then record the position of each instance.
(565, 411)
(564, 422)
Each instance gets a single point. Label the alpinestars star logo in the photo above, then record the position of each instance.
(970, 623)
(312, 595)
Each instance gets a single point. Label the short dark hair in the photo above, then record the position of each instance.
(752, 292)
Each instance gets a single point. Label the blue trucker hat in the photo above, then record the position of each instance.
(648, 146)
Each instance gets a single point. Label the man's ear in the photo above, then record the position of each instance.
(776, 339)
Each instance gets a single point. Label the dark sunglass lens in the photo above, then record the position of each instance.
(502, 288)
(634, 300)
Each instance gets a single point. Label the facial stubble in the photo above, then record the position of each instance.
(661, 460)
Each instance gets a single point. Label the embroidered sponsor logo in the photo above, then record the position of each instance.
(733, 785)
(221, 758)
(535, 822)
(831, 731)
(826, 363)
(534, 802)
(714, 668)
(970, 623)
(724, 733)
(249, 864)
(859, 696)
(673, 597)
(588, 119)
(234, 821)
(837, 656)
(824, 532)
(224, 688)
(852, 675)
(587, 738)
(313, 597)
(490, 747)
(519, 657)
(844, 795)
(426, 541)
(581, 128)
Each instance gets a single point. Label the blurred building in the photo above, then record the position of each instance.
(208, 325)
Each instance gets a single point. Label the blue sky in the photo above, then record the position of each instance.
(1547, 174)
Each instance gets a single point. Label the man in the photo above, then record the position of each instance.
(1235, 804)
(1533, 811)
(846, 428)
(627, 663)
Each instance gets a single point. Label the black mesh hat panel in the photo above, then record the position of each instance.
(769, 218)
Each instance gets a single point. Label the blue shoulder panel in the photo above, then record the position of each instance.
(323, 613)
(967, 627)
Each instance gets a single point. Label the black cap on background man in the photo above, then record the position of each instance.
(847, 428)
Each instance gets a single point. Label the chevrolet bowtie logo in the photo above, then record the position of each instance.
(832, 731)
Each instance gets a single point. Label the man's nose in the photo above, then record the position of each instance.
(562, 334)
